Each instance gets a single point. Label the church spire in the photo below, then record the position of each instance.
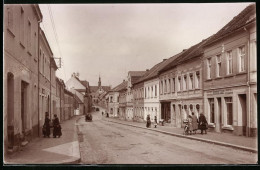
(99, 83)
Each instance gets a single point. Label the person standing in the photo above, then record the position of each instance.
(203, 123)
(190, 124)
(46, 126)
(148, 121)
(194, 122)
(155, 121)
(56, 127)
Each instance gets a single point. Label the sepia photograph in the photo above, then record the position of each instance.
(130, 84)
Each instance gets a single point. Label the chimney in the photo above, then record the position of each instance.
(184, 50)
(164, 59)
(147, 69)
(124, 80)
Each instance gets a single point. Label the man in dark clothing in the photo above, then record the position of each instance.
(56, 127)
(148, 123)
(203, 123)
(46, 127)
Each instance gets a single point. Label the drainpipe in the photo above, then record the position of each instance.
(248, 84)
(50, 90)
(39, 78)
(60, 100)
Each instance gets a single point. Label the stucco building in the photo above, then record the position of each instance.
(21, 32)
(230, 71)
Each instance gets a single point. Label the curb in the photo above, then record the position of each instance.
(253, 150)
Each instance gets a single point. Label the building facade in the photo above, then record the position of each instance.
(21, 32)
(230, 93)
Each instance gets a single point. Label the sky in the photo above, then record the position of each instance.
(111, 39)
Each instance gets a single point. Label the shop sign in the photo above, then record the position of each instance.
(218, 92)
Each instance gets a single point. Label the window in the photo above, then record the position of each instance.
(184, 82)
(169, 86)
(43, 58)
(229, 62)
(179, 83)
(173, 84)
(211, 110)
(197, 79)
(29, 32)
(155, 90)
(22, 27)
(10, 19)
(191, 81)
(241, 58)
(161, 89)
(229, 110)
(218, 68)
(254, 56)
(145, 93)
(209, 68)
(165, 86)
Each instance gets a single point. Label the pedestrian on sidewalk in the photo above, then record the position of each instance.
(203, 123)
(56, 127)
(194, 122)
(155, 121)
(148, 121)
(190, 127)
(46, 127)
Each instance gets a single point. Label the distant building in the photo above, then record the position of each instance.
(181, 86)
(79, 88)
(229, 80)
(97, 91)
(132, 77)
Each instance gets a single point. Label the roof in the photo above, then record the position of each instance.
(188, 54)
(68, 92)
(95, 88)
(84, 83)
(242, 19)
(120, 87)
(81, 90)
(77, 99)
(136, 73)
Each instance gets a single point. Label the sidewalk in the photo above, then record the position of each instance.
(63, 150)
(224, 139)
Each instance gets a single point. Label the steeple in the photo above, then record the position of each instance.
(99, 83)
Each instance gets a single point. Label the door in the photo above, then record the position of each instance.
(243, 112)
(24, 86)
(10, 110)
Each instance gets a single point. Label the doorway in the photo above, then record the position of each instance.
(219, 123)
(24, 101)
(243, 112)
(166, 112)
(10, 110)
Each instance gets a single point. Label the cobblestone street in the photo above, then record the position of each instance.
(103, 142)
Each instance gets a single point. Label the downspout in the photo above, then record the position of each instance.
(38, 80)
(248, 84)
(50, 91)
(60, 100)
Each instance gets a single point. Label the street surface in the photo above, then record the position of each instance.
(103, 142)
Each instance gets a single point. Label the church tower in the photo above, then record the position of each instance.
(99, 83)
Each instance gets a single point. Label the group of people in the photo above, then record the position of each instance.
(46, 130)
(148, 121)
(194, 124)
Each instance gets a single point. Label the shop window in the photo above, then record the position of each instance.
(218, 68)
(211, 110)
(241, 58)
(229, 63)
(229, 110)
